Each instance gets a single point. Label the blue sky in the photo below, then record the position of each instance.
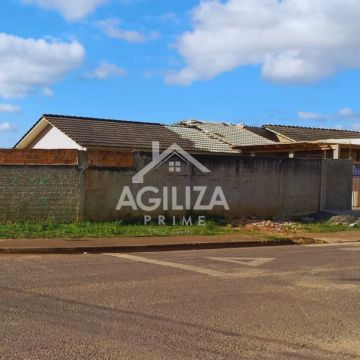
(296, 62)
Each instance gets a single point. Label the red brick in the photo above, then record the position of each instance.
(38, 157)
(115, 159)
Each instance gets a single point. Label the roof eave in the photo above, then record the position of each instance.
(35, 131)
(284, 147)
(31, 134)
(279, 134)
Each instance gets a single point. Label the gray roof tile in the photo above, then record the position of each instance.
(202, 141)
(227, 133)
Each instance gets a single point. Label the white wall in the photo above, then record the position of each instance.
(55, 139)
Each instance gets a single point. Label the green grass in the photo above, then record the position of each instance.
(324, 227)
(119, 229)
(106, 229)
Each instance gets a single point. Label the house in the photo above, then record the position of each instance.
(70, 168)
(81, 133)
(286, 133)
(288, 141)
(233, 135)
(283, 140)
(309, 142)
(194, 136)
(305, 142)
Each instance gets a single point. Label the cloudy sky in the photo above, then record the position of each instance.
(252, 61)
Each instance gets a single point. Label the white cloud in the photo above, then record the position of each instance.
(8, 108)
(304, 115)
(47, 91)
(294, 41)
(110, 27)
(343, 118)
(169, 18)
(70, 9)
(356, 126)
(106, 70)
(352, 116)
(7, 127)
(348, 113)
(29, 63)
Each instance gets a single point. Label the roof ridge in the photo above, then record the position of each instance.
(196, 121)
(310, 127)
(100, 119)
(252, 126)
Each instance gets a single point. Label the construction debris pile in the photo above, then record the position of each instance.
(292, 225)
(266, 225)
(348, 220)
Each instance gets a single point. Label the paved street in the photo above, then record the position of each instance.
(290, 302)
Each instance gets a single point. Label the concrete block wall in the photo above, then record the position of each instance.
(263, 187)
(336, 189)
(90, 190)
(47, 185)
(39, 193)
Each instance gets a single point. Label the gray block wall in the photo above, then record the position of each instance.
(39, 193)
(263, 187)
(336, 187)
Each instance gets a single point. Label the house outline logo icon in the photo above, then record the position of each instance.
(159, 159)
(171, 198)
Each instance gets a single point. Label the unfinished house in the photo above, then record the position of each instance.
(68, 167)
(288, 142)
(309, 143)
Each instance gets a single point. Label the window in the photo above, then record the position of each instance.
(174, 166)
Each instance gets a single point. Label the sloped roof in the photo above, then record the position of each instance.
(192, 135)
(227, 133)
(261, 131)
(108, 133)
(93, 132)
(299, 133)
(201, 140)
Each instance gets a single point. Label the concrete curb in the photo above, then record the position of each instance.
(145, 248)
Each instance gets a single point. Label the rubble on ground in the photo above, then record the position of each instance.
(350, 220)
(355, 224)
(283, 224)
(254, 223)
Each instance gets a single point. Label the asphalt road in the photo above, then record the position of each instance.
(290, 302)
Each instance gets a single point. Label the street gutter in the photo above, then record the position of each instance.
(144, 248)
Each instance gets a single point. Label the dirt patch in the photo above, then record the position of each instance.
(349, 346)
